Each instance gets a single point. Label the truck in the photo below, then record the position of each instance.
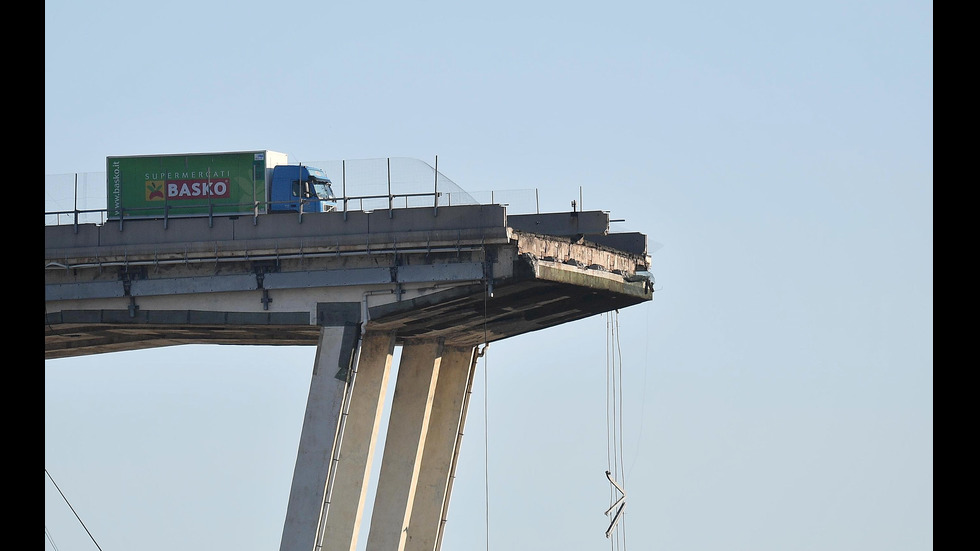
(213, 184)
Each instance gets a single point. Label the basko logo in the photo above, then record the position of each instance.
(187, 189)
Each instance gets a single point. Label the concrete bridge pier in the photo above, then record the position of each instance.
(329, 488)
(421, 441)
(328, 389)
(346, 507)
(440, 448)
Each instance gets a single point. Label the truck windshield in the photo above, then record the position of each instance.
(323, 190)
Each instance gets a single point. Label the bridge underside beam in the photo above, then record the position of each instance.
(70, 339)
(538, 295)
(468, 316)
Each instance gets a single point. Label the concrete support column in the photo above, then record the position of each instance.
(328, 386)
(418, 373)
(358, 442)
(432, 491)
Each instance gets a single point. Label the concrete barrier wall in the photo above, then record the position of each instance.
(562, 223)
(189, 234)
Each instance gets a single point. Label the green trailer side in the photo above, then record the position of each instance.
(189, 185)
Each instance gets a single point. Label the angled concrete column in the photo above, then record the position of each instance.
(328, 385)
(360, 436)
(432, 491)
(408, 424)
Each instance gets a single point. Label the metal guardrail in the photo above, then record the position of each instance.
(405, 188)
(101, 216)
(74, 216)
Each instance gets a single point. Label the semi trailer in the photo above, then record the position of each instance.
(213, 184)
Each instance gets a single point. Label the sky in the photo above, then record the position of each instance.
(777, 393)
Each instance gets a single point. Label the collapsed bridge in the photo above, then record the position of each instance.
(439, 282)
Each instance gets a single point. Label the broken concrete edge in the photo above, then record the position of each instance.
(526, 268)
(582, 277)
(578, 251)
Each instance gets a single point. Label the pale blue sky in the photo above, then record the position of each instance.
(778, 390)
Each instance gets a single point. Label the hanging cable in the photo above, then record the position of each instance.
(622, 454)
(50, 539)
(609, 461)
(486, 423)
(615, 470)
(72, 509)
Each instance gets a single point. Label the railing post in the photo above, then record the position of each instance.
(76, 203)
(343, 183)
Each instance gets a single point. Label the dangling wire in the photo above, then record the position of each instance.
(486, 431)
(615, 470)
(622, 455)
(50, 539)
(72, 510)
(609, 431)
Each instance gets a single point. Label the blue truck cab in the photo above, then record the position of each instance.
(293, 185)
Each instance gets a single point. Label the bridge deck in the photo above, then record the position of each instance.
(464, 274)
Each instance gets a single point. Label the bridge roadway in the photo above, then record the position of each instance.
(440, 283)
